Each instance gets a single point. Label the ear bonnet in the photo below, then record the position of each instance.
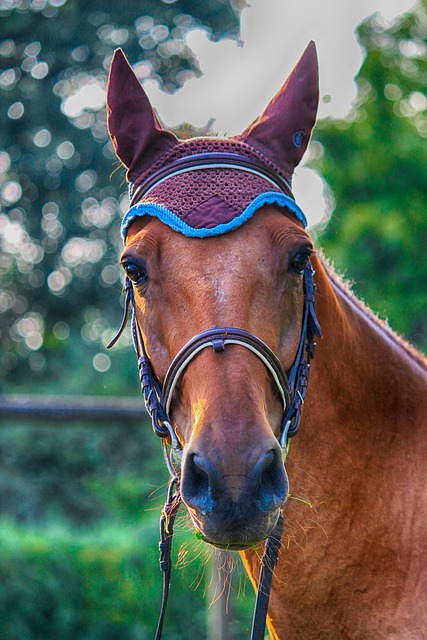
(207, 186)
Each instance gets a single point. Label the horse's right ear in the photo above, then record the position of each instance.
(136, 134)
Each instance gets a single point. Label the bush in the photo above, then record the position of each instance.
(79, 540)
(72, 585)
(78, 473)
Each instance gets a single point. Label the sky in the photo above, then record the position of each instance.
(239, 78)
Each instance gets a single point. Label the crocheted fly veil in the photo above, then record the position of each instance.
(207, 186)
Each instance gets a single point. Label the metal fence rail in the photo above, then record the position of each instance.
(105, 409)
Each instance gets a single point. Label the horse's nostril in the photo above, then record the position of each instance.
(201, 464)
(200, 470)
(262, 466)
(272, 480)
(195, 485)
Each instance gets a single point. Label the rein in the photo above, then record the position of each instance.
(157, 398)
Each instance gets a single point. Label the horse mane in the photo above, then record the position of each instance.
(344, 287)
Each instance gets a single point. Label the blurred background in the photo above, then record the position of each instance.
(79, 498)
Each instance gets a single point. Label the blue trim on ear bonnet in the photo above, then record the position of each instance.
(176, 223)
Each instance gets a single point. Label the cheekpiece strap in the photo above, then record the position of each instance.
(150, 387)
(298, 376)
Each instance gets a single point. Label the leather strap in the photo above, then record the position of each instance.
(298, 375)
(167, 520)
(268, 564)
(210, 160)
(219, 339)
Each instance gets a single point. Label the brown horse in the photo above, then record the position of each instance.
(353, 563)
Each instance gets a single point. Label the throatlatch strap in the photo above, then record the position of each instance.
(268, 564)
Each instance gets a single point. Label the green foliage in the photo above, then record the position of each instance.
(60, 288)
(80, 542)
(376, 164)
(62, 203)
(68, 584)
(59, 233)
(80, 474)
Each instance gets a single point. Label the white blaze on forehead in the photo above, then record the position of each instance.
(219, 290)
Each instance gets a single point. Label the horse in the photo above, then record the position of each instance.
(218, 265)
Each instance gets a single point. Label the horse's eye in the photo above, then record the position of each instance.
(134, 272)
(299, 263)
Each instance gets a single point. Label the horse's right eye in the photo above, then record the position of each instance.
(136, 273)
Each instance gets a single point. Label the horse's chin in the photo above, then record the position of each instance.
(229, 547)
(235, 538)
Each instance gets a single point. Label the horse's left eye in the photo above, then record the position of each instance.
(299, 263)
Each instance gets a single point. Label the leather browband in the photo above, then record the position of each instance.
(210, 160)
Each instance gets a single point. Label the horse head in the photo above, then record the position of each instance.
(214, 239)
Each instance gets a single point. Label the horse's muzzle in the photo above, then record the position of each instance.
(234, 508)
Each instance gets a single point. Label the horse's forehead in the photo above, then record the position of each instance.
(258, 238)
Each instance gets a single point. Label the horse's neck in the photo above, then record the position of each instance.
(353, 563)
(375, 379)
(367, 399)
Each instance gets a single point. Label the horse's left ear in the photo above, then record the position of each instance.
(282, 132)
(137, 136)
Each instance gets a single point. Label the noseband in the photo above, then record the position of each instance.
(292, 387)
(218, 339)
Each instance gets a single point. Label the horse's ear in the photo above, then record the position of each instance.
(136, 134)
(282, 132)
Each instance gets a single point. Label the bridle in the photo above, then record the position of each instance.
(292, 387)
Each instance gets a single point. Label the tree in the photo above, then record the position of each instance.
(59, 232)
(376, 164)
